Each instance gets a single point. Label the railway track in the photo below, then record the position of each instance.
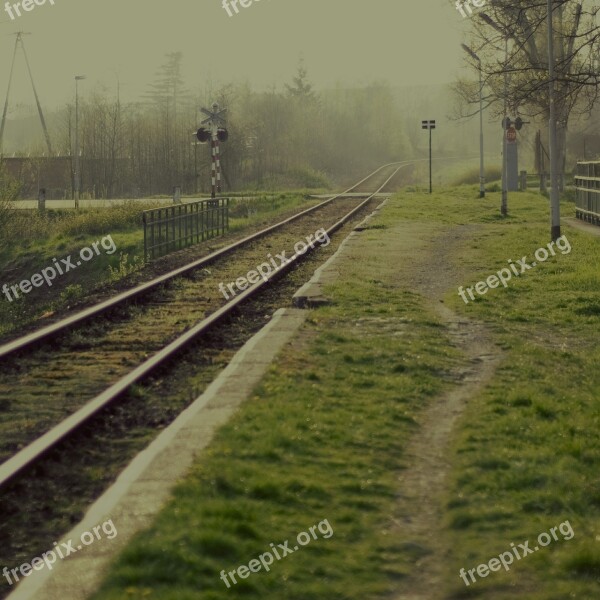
(60, 386)
(93, 351)
(18, 345)
(380, 179)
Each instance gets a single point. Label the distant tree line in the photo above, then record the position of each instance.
(293, 136)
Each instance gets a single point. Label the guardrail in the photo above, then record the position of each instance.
(587, 184)
(172, 228)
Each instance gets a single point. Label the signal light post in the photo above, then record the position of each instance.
(429, 125)
(215, 133)
(510, 155)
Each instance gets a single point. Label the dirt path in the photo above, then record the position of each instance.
(422, 484)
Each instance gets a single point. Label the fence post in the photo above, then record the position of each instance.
(145, 237)
(42, 200)
(178, 244)
(523, 181)
(154, 232)
(177, 195)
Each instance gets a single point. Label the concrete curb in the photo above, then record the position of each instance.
(144, 487)
(311, 293)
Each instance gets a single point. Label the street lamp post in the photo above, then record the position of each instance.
(78, 78)
(504, 205)
(196, 162)
(196, 168)
(481, 168)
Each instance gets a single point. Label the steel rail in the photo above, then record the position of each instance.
(65, 324)
(41, 446)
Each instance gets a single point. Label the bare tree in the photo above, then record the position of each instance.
(510, 37)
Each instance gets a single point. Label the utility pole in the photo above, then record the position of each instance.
(554, 197)
(78, 78)
(18, 41)
(37, 100)
(481, 168)
(12, 66)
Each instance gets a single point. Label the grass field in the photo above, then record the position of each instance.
(527, 453)
(322, 438)
(325, 434)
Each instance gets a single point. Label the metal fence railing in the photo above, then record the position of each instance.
(587, 184)
(175, 227)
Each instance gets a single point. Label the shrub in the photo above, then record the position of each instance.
(305, 177)
(471, 176)
(10, 190)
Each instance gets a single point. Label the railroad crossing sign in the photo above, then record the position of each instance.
(428, 124)
(214, 117)
(511, 135)
(216, 133)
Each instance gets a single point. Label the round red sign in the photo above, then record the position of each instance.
(511, 134)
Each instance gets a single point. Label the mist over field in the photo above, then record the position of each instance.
(303, 111)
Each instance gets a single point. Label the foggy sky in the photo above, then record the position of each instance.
(353, 42)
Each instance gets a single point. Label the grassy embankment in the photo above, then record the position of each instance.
(526, 453)
(30, 240)
(323, 436)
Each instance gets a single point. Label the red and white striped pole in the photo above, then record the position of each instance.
(214, 142)
(218, 163)
(214, 133)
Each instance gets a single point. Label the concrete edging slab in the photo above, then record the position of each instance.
(311, 293)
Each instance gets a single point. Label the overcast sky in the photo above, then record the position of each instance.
(408, 42)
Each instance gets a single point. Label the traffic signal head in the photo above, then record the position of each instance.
(203, 135)
(518, 123)
(222, 134)
(506, 123)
